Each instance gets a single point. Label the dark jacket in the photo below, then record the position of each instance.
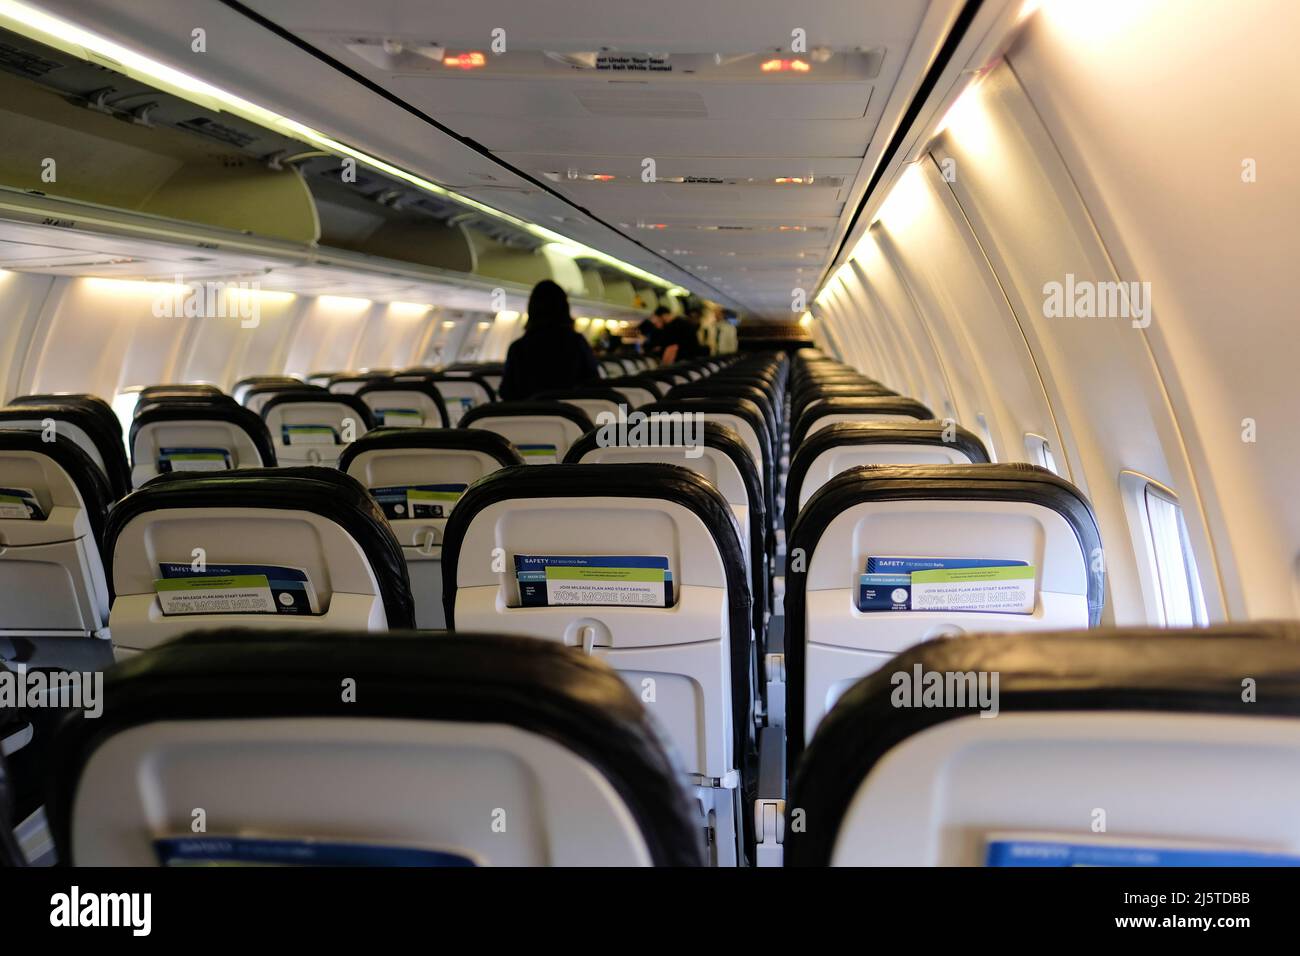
(540, 361)
(684, 334)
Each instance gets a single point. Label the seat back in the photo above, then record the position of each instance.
(86, 429)
(417, 475)
(738, 414)
(844, 445)
(541, 432)
(91, 403)
(883, 408)
(268, 548)
(240, 389)
(637, 390)
(591, 400)
(350, 384)
(53, 502)
(405, 404)
(461, 391)
(691, 658)
(255, 397)
(473, 749)
(196, 436)
(718, 454)
(1144, 731)
(313, 429)
(1001, 514)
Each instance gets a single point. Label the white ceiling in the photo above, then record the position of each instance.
(741, 243)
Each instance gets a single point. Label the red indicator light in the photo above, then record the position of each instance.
(785, 66)
(465, 61)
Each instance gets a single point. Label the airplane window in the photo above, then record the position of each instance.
(1181, 601)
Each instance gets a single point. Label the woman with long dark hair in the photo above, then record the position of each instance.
(550, 354)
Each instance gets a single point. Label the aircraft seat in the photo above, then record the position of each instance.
(725, 461)
(844, 445)
(592, 400)
(637, 390)
(405, 404)
(196, 436)
(1146, 732)
(1004, 513)
(689, 660)
(440, 463)
(239, 390)
(313, 429)
(255, 397)
(462, 391)
(91, 403)
(53, 506)
(542, 432)
(87, 429)
(840, 408)
(288, 547)
(472, 749)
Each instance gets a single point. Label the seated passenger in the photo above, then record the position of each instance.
(550, 354)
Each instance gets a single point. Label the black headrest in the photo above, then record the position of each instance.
(191, 399)
(175, 411)
(323, 491)
(742, 408)
(669, 483)
(602, 391)
(501, 409)
(252, 380)
(712, 387)
(540, 687)
(92, 403)
(300, 396)
(481, 368)
(465, 439)
(150, 392)
(422, 388)
(839, 434)
(80, 468)
(1192, 671)
(282, 388)
(851, 405)
(475, 377)
(107, 441)
(654, 386)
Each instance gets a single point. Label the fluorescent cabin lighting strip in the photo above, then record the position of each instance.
(28, 21)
